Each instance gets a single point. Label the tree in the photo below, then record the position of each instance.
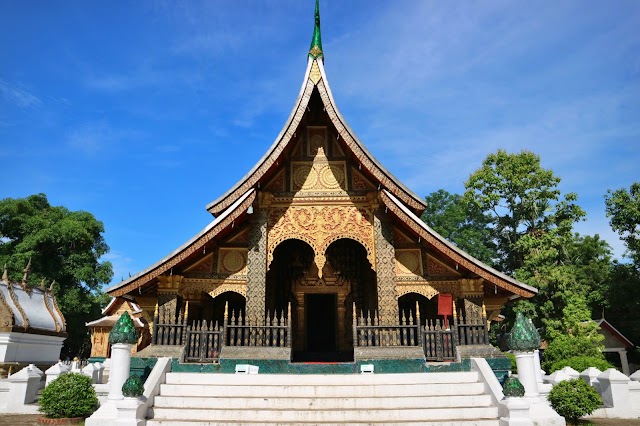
(533, 229)
(623, 209)
(448, 214)
(520, 198)
(64, 246)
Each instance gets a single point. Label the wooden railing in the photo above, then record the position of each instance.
(203, 341)
(368, 330)
(273, 331)
(437, 338)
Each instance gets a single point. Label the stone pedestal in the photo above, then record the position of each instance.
(131, 412)
(24, 387)
(515, 412)
(527, 373)
(55, 371)
(120, 364)
(614, 388)
(539, 372)
(91, 372)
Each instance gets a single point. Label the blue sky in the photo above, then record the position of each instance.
(143, 112)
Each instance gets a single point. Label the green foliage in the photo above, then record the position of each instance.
(565, 347)
(70, 395)
(64, 246)
(580, 363)
(623, 210)
(124, 331)
(573, 399)
(133, 386)
(512, 387)
(449, 215)
(520, 198)
(512, 359)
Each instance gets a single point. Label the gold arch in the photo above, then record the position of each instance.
(425, 290)
(319, 226)
(241, 289)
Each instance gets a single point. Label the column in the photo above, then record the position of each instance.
(257, 265)
(385, 269)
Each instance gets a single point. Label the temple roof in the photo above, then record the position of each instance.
(195, 244)
(452, 251)
(315, 78)
(25, 309)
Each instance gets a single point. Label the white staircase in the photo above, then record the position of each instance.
(437, 399)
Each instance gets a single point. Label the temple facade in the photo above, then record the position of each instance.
(317, 253)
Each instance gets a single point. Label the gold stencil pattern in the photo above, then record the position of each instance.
(232, 261)
(408, 262)
(318, 176)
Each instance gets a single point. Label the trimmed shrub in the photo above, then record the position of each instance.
(565, 347)
(580, 363)
(70, 395)
(573, 399)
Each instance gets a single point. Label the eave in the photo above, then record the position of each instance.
(194, 245)
(315, 77)
(454, 253)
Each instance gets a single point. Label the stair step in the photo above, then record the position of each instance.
(469, 422)
(325, 403)
(303, 391)
(321, 379)
(323, 416)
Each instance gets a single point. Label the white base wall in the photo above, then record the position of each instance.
(30, 348)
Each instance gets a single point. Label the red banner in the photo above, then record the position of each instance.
(445, 304)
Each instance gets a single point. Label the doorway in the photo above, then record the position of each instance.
(320, 322)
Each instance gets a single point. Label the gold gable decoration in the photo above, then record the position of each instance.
(319, 227)
(408, 262)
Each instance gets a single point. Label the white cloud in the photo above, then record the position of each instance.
(19, 95)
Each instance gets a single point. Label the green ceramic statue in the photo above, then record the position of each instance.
(133, 387)
(124, 331)
(512, 387)
(524, 337)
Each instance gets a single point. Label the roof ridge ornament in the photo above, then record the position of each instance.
(27, 271)
(315, 51)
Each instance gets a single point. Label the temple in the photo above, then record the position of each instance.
(318, 253)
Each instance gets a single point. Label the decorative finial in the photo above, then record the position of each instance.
(41, 286)
(27, 270)
(315, 51)
(524, 337)
(124, 331)
(5, 274)
(53, 283)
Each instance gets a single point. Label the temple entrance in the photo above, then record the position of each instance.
(320, 324)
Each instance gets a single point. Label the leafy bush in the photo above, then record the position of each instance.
(512, 358)
(580, 363)
(565, 347)
(70, 395)
(573, 399)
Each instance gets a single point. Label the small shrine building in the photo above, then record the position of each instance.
(317, 253)
(32, 328)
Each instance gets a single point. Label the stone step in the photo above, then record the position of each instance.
(301, 416)
(468, 422)
(321, 379)
(322, 403)
(337, 391)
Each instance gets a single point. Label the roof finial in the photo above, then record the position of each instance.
(5, 273)
(27, 270)
(315, 51)
(53, 283)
